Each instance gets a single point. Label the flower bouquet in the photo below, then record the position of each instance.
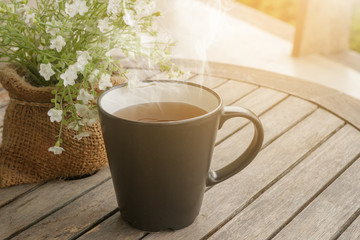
(60, 61)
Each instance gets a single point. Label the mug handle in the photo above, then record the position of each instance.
(252, 150)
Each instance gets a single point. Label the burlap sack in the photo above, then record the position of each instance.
(28, 133)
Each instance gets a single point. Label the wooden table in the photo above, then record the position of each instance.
(304, 184)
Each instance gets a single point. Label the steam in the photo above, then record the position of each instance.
(150, 92)
(194, 24)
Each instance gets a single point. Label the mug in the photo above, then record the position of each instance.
(160, 169)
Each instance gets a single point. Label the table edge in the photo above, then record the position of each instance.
(337, 102)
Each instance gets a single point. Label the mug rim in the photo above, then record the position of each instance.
(204, 116)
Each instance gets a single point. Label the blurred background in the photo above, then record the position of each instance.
(287, 11)
(315, 40)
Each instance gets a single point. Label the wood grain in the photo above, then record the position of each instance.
(329, 211)
(274, 122)
(352, 232)
(67, 223)
(231, 91)
(113, 228)
(208, 81)
(46, 199)
(226, 199)
(277, 205)
(258, 102)
(335, 101)
(9, 194)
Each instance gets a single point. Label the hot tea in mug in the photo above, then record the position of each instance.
(159, 140)
(160, 112)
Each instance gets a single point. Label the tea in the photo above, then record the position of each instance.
(160, 112)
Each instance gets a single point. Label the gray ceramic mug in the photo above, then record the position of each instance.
(160, 170)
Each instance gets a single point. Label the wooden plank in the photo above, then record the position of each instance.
(231, 91)
(341, 104)
(277, 205)
(38, 204)
(226, 199)
(76, 216)
(208, 81)
(286, 113)
(352, 232)
(322, 27)
(9, 194)
(258, 102)
(330, 210)
(275, 122)
(113, 228)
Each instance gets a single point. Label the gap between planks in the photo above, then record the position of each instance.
(145, 236)
(346, 226)
(343, 228)
(274, 181)
(55, 209)
(209, 218)
(249, 93)
(271, 90)
(328, 213)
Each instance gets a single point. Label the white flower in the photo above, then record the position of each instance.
(57, 43)
(104, 25)
(91, 117)
(56, 149)
(70, 75)
(46, 71)
(82, 59)
(83, 54)
(84, 96)
(73, 126)
(74, 68)
(82, 109)
(114, 7)
(104, 82)
(93, 75)
(22, 9)
(88, 116)
(81, 7)
(55, 115)
(71, 9)
(52, 30)
(29, 18)
(129, 19)
(145, 8)
(81, 135)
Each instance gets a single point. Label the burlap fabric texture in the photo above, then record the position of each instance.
(28, 133)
